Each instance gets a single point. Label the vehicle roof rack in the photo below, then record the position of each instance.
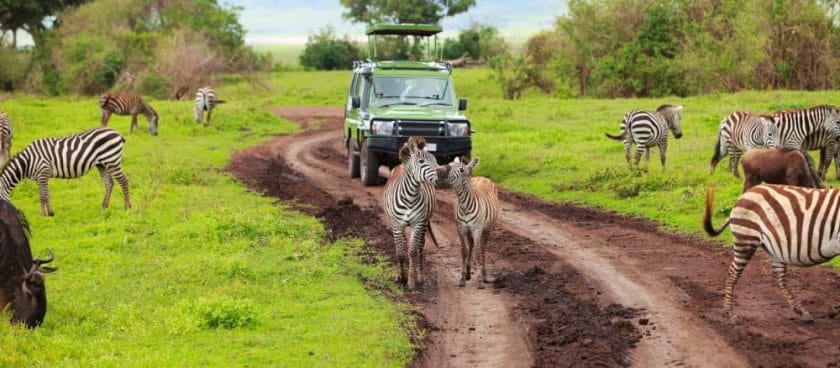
(404, 29)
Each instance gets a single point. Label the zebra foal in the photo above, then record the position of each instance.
(796, 226)
(127, 104)
(205, 100)
(648, 129)
(5, 139)
(68, 158)
(409, 200)
(740, 132)
(475, 213)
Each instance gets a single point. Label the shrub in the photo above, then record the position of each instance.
(226, 313)
(324, 51)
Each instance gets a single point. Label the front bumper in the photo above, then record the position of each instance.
(445, 148)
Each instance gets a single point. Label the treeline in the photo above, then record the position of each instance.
(628, 48)
(160, 48)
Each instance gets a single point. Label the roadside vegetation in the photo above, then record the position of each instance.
(200, 272)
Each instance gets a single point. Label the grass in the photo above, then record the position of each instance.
(287, 55)
(200, 272)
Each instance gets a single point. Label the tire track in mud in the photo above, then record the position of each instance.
(564, 272)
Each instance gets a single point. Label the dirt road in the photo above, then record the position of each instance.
(573, 286)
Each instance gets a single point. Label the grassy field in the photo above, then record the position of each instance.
(201, 272)
(286, 55)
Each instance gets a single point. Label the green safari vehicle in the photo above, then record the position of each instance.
(393, 98)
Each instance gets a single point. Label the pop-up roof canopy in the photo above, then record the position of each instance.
(405, 29)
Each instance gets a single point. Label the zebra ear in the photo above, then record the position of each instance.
(679, 108)
(473, 164)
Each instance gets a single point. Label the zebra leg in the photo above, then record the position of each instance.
(399, 241)
(465, 260)
(627, 152)
(106, 115)
(199, 115)
(780, 269)
(117, 173)
(734, 157)
(743, 253)
(662, 148)
(209, 112)
(421, 262)
(133, 123)
(46, 208)
(638, 157)
(417, 236)
(470, 246)
(481, 238)
(109, 185)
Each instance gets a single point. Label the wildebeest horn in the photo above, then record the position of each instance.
(39, 261)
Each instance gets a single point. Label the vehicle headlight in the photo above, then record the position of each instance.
(382, 127)
(457, 129)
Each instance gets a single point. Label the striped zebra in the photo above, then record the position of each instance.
(740, 132)
(796, 226)
(814, 128)
(68, 158)
(127, 104)
(409, 200)
(205, 100)
(648, 129)
(5, 139)
(475, 214)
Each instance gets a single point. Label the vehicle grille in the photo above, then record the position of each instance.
(426, 128)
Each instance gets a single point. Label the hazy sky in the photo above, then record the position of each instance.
(290, 21)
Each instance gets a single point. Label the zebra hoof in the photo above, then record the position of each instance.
(399, 279)
(734, 320)
(806, 317)
(462, 283)
(481, 285)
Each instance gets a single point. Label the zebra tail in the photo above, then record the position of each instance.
(813, 169)
(717, 156)
(220, 102)
(618, 137)
(707, 214)
(432, 235)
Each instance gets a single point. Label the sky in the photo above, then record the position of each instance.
(291, 21)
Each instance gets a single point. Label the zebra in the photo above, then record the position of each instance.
(67, 158)
(810, 129)
(475, 214)
(205, 100)
(649, 129)
(795, 225)
(740, 132)
(409, 200)
(5, 139)
(127, 104)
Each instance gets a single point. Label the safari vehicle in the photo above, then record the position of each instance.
(395, 97)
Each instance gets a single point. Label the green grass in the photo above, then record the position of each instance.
(287, 55)
(200, 272)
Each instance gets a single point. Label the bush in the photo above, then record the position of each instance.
(324, 51)
(15, 66)
(479, 42)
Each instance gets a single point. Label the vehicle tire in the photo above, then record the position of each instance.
(369, 169)
(352, 160)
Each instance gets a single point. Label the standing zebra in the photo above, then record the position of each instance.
(648, 129)
(5, 139)
(68, 158)
(810, 129)
(127, 104)
(475, 213)
(409, 200)
(795, 225)
(740, 132)
(205, 100)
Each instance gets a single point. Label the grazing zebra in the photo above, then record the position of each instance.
(5, 139)
(127, 104)
(795, 225)
(475, 213)
(409, 200)
(649, 129)
(740, 132)
(205, 100)
(68, 158)
(810, 129)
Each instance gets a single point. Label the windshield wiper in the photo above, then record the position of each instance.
(436, 104)
(398, 103)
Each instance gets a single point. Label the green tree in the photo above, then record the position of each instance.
(403, 11)
(325, 51)
(29, 15)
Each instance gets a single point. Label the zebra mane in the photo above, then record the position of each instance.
(405, 151)
(664, 107)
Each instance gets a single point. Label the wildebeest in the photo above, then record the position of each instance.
(21, 277)
(779, 166)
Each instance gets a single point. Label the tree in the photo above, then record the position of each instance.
(325, 51)
(403, 11)
(29, 15)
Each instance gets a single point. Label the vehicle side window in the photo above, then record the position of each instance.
(354, 86)
(364, 90)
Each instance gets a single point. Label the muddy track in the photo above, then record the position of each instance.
(573, 286)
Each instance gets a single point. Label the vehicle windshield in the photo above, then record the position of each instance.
(391, 91)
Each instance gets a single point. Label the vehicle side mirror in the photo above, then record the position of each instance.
(462, 104)
(356, 102)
